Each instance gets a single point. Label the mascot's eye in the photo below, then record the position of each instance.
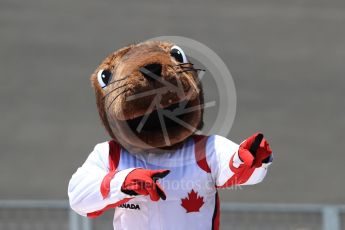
(177, 53)
(104, 77)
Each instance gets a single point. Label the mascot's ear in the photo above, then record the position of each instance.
(107, 64)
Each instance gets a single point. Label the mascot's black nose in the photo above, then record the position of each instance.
(149, 71)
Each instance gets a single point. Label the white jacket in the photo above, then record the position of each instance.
(196, 171)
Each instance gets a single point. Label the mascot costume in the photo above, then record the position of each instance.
(155, 171)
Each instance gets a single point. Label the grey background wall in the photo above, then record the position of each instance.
(286, 58)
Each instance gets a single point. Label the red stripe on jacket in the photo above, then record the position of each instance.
(114, 159)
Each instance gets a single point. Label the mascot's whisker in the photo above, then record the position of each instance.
(121, 86)
(124, 91)
(190, 69)
(183, 64)
(121, 79)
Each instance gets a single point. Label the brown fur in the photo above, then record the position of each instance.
(117, 112)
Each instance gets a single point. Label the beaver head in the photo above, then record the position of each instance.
(148, 96)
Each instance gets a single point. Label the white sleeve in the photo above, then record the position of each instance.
(84, 186)
(226, 167)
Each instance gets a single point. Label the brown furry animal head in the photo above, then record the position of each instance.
(148, 96)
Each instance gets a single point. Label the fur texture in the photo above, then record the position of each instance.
(130, 95)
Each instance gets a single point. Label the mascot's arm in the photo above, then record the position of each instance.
(85, 195)
(233, 164)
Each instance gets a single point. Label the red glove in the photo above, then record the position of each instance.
(254, 151)
(143, 182)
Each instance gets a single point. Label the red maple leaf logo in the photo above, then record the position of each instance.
(193, 202)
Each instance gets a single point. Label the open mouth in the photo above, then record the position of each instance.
(172, 117)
